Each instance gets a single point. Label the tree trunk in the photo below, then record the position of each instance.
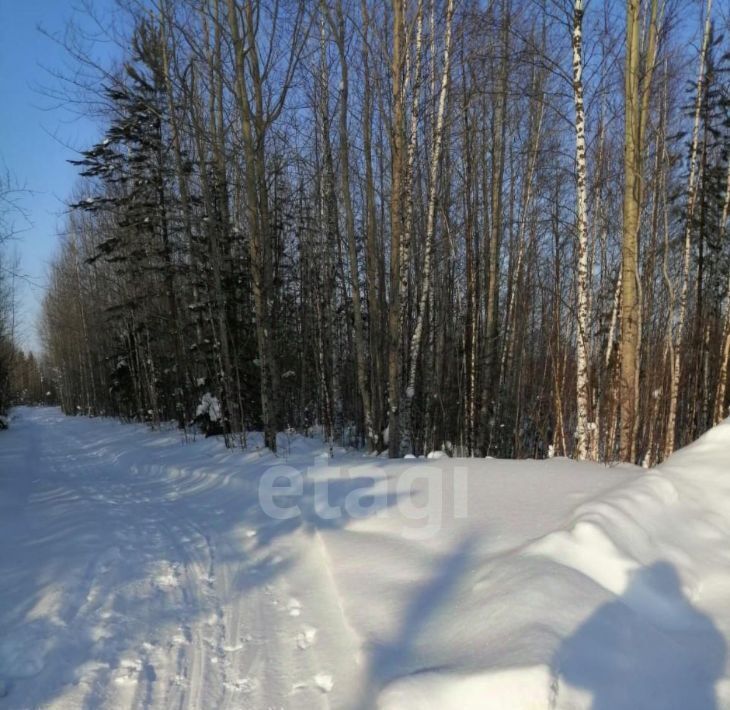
(585, 430)
(686, 257)
(415, 346)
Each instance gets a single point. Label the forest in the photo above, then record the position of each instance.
(485, 227)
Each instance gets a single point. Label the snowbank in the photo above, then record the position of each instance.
(139, 572)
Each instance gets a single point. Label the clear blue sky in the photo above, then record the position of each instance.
(32, 138)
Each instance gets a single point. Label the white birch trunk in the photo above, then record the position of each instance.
(584, 433)
(401, 208)
(430, 229)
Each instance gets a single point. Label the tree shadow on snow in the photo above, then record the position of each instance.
(401, 655)
(648, 649)
(328, 504)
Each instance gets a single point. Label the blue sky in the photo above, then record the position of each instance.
(34, 137)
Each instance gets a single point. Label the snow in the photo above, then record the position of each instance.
(209, 405)
(139, 572)
(437, 455)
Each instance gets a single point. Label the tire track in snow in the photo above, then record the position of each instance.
(168, 597)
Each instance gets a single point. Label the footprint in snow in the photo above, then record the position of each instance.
(128, 672)
(179, 638)
(306, 637)
(324, 682)
(242, 685)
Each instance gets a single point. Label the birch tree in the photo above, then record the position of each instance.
(585, 434)
(436, 152)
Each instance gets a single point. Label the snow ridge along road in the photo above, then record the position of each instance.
(140, 572)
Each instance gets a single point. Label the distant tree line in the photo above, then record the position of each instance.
(7, 350)
(12, 220)
(494, 228)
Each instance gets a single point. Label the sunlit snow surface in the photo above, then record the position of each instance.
(139, 571)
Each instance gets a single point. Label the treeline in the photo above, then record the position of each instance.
(7, 349)
(11, 215)
(495, 228)
(23, 378)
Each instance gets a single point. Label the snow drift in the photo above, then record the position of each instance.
(136, 571)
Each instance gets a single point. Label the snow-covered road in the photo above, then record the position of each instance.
(130, 580)
(137, 571)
